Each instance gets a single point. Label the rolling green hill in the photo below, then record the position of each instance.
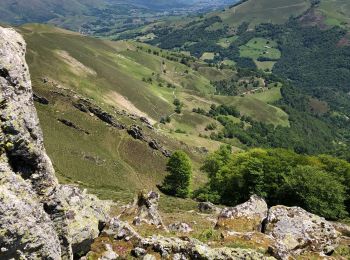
(261, 11)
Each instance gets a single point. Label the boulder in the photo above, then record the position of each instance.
(138, 252)
(120, 230)
(136, 132)
(84, 214)
(245, 217)
(154, 145)
(297, 231)
(207, 207)
(41, 100)
(180, 227)
(109, 254)
(146, 209)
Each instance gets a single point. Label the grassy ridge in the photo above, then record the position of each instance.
(260, 11)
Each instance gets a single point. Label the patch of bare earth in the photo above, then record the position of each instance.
(313, 18)
(75, 66)
(345, 41)
(318, 106)
(122, 102)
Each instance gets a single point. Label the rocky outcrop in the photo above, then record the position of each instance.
(25, 228)
(41, 100)
(180, 227)
(146, 121)
(208, 208)
(40, 219)
(72, 125)
(84, 213)
(127, 242)
(136, 132)
(120, 230)
(154, 144)
(297, 231)
(245, 217)
(24, 163)
(283, 231)
(145, 208)
(86, 106)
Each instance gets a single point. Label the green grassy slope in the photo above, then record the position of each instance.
(65, 66)
(108, 161)
(335, 12)
(259, 11)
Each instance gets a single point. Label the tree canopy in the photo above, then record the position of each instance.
(177, 183)
(319, 184)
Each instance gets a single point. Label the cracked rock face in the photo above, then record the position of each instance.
(26, 172)
(25, 228)
(296, 231)
(40, 219)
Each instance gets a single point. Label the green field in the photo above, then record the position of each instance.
(269, 96)
(259, 47)
(257, 108)
(225, 42)
(208, 56)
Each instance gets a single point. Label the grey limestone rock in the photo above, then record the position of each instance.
(40, 219)
(297, 231)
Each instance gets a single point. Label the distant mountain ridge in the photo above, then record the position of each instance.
(42, 11)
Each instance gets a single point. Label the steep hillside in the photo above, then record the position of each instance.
(140, 79)
(305, 45)
(44, 219)
(261, 11)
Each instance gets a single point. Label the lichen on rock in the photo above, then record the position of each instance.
(40, 219)
(297, 231)
(245, 217)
